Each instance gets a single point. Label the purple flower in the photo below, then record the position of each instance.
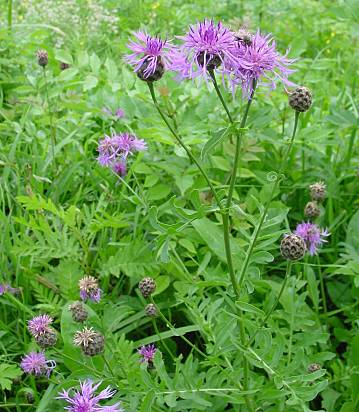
(205, 47)
(114, 150)
(36, 363)
(39, 325)
(85, 399)
(120, 168)
(258, 60)
(149, 56)
(119, 113)
(312, 236)
(147, 353)
(89, 289)
(5, 287)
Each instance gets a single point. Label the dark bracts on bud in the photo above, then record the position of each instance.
(78, 311)
(300, 99)
(47, 339)
(156, 75)
(312, 209)
(95, 346)
(151, 310)
(147, 286)
(318, 191)
(292, 247)
(64, 66)
(212, 61)
(313, 367)
(42, 58)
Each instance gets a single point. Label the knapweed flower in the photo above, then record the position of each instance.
(258, 61)
(114, 150)
(35, 363)
(89, 289)
(90, 341)
(205, 47)
(85, 399)
(39, 325)
(149, 57)
(147, 352)
(312, 235)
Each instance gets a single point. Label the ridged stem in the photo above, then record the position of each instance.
(182, 144)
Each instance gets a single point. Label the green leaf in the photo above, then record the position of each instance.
(312, 285)
(90, 82)
(7, 374)
(247, 307)
(214, 141)
(63, 56)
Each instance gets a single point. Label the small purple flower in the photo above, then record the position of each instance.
(149, 56)
(117, 148)
(119, 113)
(312, 236)
(35, 363)
(258, 60)
(5, 287)
(120, 168)
(89, 289)
(39, 325)
(147, 353)
(205, 47)
(85, 399)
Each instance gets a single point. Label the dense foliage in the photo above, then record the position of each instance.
(163, 323)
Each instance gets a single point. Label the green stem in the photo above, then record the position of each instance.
(181, 143)
(218, 91)
(275, 185)
(9, 15)
(52, 129)
(350, 147)
(162, 341)
(322, 288)
(225, 218)
(291, 326)
(272, 309)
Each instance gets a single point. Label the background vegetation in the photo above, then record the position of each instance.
(64, 218)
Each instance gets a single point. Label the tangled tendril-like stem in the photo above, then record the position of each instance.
(275, 177)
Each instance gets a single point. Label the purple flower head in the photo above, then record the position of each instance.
(39, 325)
(147, 353)
(118, 147)
(35, 363)
(149, 56)
(89, 289)
(85, 399)
(205, 47)
(258, 60)
(312, 236)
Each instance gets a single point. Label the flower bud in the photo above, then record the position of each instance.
(46, 339)
(312, 209)
(292, 247)
(300, 99)
(318, 191)
(78, 311)
(42, 58)
(151, 310)
(147, 286)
